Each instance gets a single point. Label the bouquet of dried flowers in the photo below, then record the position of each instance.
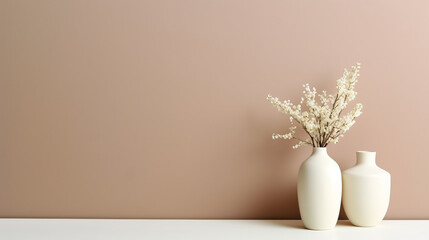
(322, 120)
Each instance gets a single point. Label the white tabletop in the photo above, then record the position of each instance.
(106, 229)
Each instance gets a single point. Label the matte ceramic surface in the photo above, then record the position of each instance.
(366, 191)
(319, 191)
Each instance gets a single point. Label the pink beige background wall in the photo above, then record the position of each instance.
(156, 109)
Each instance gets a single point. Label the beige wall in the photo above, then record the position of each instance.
(156, 109)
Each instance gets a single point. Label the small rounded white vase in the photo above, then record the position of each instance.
(366, 191)
(319, 191)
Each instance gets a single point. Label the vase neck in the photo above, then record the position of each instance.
(320, 150)
(365, 158)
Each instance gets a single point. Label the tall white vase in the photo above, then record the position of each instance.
(319, 191)
(366, 191)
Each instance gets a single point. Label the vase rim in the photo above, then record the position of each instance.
(365, 152)
(320, 150)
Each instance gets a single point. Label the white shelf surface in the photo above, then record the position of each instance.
(124, 229)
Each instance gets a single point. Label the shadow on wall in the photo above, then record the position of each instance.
(275, 193)
(277, 204)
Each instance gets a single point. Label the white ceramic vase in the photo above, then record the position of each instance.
(319, 191)
(366, 191)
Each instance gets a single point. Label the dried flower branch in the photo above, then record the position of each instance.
(322, 120)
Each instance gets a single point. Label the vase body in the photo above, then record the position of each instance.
(366, 191)
(319, 191)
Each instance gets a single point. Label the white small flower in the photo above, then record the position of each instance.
(320, 121)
